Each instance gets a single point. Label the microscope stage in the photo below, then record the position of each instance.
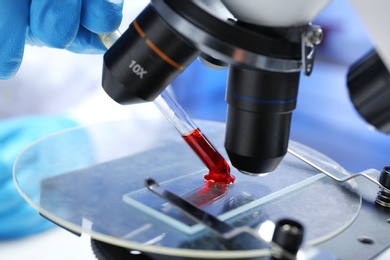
(91, 179)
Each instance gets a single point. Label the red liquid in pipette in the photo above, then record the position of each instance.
(219, 170)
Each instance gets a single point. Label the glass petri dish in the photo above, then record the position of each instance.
(91, 180)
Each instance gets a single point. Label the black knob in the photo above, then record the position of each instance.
(383, 198)
(384, 178)
(288, 235)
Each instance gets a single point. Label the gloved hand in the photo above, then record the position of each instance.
(71, 25)
(17, 217)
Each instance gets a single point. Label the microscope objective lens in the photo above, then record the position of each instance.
(219, 170)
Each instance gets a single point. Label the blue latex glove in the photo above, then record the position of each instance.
(17, 217)
(71, 25)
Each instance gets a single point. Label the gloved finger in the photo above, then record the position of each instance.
(23, 221)
(101, 16)
(17, 217)
(13, 28)
(87, 42)
(10, 198)
(55, 22)
(17, 133)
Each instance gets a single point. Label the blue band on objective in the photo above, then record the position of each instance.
(265, 101)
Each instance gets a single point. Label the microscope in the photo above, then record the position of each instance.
(264, 45)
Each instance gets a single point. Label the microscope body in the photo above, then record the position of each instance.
(265, 56)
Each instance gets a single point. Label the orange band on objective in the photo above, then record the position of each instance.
(163, 55)
(139, 30)
(156, 49)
